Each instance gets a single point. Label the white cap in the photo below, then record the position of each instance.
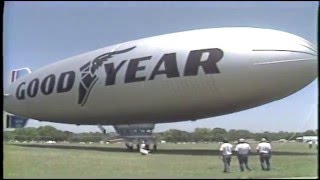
(241, 140)
(263, 139)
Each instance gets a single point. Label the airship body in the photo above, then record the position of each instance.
(168, 78)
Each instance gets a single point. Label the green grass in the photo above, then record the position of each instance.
(170, 161)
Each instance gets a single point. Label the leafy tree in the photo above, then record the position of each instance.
(310, 133)
(202, 134)
(232, 135)
(244, 134)
(174, 135)
(218, 134)
(8, 135)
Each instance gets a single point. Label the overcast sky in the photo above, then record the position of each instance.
(40, 33)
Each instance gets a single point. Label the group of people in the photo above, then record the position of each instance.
(243, 150)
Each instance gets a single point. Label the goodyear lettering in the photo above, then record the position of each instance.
(33, 87)
(209, 66)
(20, 93)
(111, 72)
(66, 81)
(65, 84)
(47, 84)
(206, 59)
(132, 69)
(170, 66)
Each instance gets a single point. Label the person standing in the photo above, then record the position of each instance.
(243, 149)
(225, 154)
(310, 144)
(264, 149)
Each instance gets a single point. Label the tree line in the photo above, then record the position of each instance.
(46, 133)
(219, 134)
(49, 133)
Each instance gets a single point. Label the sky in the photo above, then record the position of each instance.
(36, 34)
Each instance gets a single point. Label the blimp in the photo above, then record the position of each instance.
(173, 77)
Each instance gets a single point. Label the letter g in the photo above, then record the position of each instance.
(20, 94)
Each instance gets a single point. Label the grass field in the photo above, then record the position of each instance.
(170, 161)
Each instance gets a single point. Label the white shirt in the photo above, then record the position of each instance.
(264, 147)
(310, 142)
(142, 150)
(142, 146)
(226, 149)
(243, 148)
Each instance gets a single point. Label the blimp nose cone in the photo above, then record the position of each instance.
(280, 46)
(286, 63)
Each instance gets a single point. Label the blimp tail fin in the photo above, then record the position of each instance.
(18, 73)
(12, 121)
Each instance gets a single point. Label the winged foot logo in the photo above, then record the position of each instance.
(88, 77)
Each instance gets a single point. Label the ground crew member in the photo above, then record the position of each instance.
(143, 149)
(243, 149)
(310, 144)
(225, 154)
(264, 149)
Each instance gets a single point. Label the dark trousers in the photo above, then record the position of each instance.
(243, 161)
(265, 159)
(226, 162)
